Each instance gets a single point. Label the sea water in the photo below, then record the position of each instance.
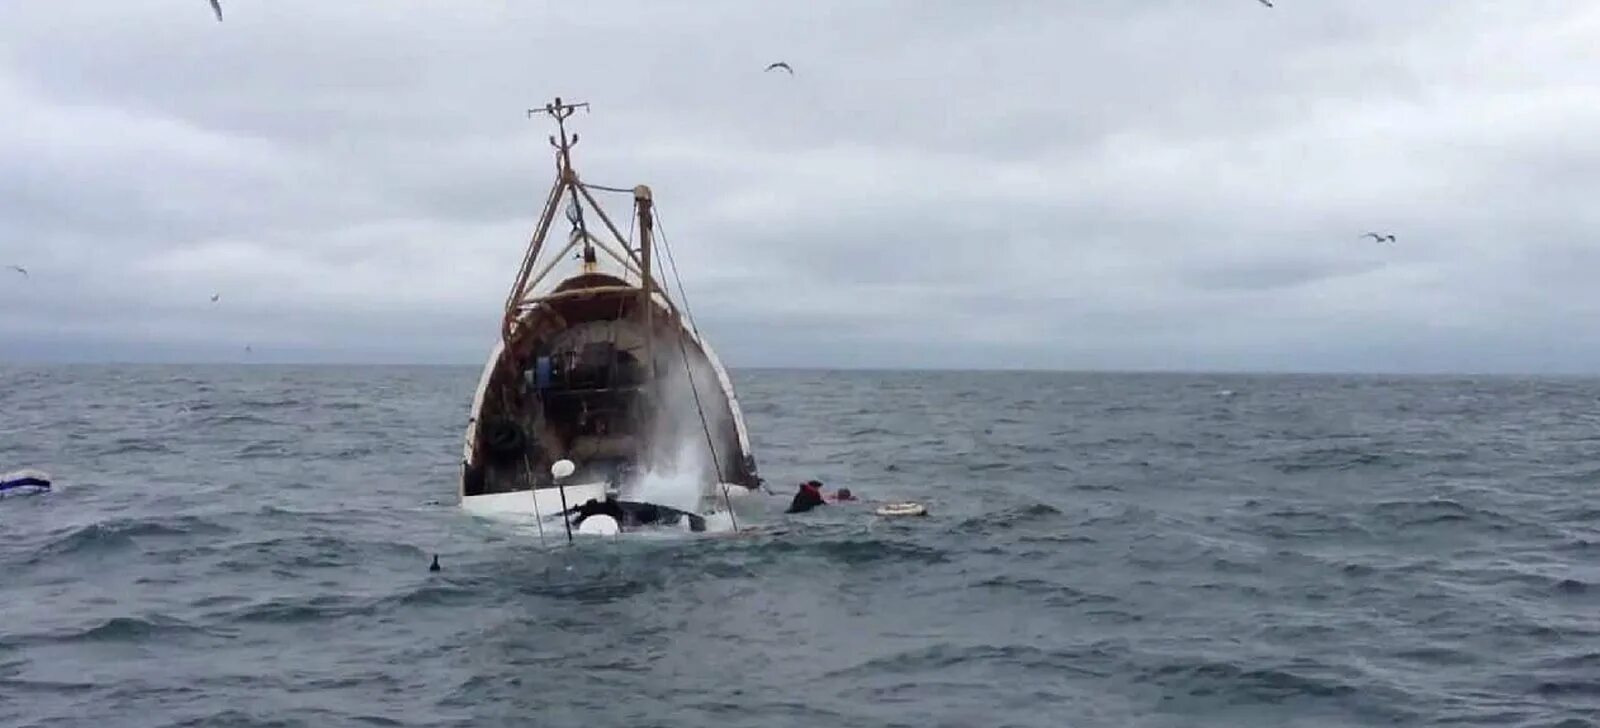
(248, 546)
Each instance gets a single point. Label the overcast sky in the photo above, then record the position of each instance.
(1151, 184)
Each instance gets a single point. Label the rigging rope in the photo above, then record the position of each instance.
(627, 245)
(527, 467)
(527, 471)
(688, 370)
(633, 219)
(683, 295)
(603, 188)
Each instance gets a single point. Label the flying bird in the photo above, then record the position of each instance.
(782, 65)
(1267, 3)
(216, 7)
(20, 269)
(215, 296)
(1379, 238)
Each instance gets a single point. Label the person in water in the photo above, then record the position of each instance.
(843, 495)
(608, 507)
(808, 497)
(632, 515)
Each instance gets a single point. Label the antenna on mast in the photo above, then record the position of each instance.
(567, 178)
(559, 111)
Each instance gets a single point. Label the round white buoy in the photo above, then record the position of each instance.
(562, 468)
(600, 525)
(897, 510)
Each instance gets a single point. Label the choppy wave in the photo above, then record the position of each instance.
(117, 534)
(290, 610)
(136, 445)
(1011, 518)
(133, 629)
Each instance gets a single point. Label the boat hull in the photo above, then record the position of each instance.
(521, 506)
(625, 427)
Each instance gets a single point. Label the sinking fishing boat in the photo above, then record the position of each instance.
(600, 383)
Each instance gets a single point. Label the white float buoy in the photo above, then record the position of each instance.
(899, 510)
(599, 525)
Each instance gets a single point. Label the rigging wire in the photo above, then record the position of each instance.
(538, 519)
(716, 463)
(688, 370)
(603, 188)
(527, 471)
(683, 295)
(627, 245)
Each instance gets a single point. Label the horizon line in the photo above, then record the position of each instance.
(1331, 372)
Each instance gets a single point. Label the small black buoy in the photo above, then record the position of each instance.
(435, 565)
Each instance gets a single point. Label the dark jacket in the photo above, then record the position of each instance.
(809, 497)
(608, 507)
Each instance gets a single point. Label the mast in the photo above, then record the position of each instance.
(643, 200)
(566, 181)
(560, 111)
(535, 266)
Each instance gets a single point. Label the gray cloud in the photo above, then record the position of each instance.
(1168, 184)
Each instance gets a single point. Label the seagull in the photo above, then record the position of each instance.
(1267, 3)
(20, 269)
(215, 296)
(782, 65)
(216, 7)
(1379, 238)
